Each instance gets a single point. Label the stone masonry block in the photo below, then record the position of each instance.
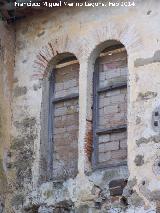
(104, 138)
(59, 87)
(104, 147)
(120, 135)
(110, 109)
(123, 143)
(70, 84)
(60, 111)
(104, 156)
(119, 154)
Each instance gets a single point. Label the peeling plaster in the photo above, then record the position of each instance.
(145, 61)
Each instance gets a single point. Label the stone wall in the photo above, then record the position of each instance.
(85, 32)
(7, 52)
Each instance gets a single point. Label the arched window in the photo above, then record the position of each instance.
(64, 118)
(110, 107)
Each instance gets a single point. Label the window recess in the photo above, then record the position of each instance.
(64, 119)
(110, 108)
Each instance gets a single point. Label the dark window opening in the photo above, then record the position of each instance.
(116, 187)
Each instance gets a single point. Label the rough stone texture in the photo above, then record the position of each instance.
(144, 61)
(147, 95)
(7, 47)
(18, 91)
(139, 160)
(85, 32)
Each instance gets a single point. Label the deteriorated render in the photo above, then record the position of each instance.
(110, 107)
(65, 119)
(80, 108)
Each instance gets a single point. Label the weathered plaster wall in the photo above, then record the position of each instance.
(84, 32)
(7, 44)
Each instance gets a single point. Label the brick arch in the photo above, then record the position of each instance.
(68, 74)
(126, 34)
(45, 58)
(84, 48)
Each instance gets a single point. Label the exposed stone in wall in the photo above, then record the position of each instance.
(108, 195)
(130, 194)
(7, 48)
(145, 61)
(139, 160)
(34, 209)
(80, 32)
(82, 209)
(147, 95)
(153, 139)
(1, 206)
(18, 91)
(21, 165)
(61, 207)
(138, 120)
(23, 159)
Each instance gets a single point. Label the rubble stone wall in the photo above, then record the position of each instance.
(84, 32)
(7, 53)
